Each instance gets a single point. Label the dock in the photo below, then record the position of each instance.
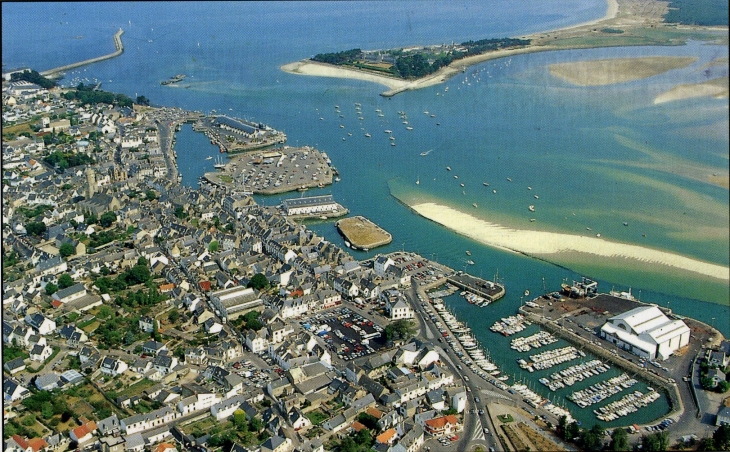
(117, 44)
(492, 291)
(362, 233)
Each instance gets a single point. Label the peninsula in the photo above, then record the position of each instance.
(626, 23)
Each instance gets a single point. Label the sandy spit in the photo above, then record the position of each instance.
(716, 88)
(544, 243)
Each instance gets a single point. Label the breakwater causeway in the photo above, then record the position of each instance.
(117, 44)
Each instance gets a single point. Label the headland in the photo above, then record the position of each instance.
(626, 23)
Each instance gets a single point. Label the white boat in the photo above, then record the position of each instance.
(209, 158)
(537, 197)
(486, 184)
(387, 131)
(474, 204)
(509, 180)
(342, 126)
(367, 135)
(468, 253)
(470, 262)
(448, 168)
(494, 191)
(531, 208)
(409, 128)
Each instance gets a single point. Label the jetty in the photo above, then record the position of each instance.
(117, 44)
(362, 233)
(491, 291)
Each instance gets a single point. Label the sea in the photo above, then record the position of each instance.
(598, 157)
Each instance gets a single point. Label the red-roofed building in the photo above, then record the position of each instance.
(165, 447)
(83, 433)
(440, 426)
(387, 437)
(18, 443)
(56, 304)
(357, 426)
(204, 286)
(374, 412)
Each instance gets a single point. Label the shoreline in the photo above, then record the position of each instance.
(541, 244)
(396, 86)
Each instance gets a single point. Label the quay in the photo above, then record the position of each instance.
(117, 44)
(362, 233)
(492, 291)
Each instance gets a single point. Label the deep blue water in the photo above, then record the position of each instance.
(593, 154)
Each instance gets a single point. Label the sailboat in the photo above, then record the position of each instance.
(418, 181)
(219, 164)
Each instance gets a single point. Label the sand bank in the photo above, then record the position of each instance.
(617, 70)
(541, 243)
(309, 67)
(717, 88)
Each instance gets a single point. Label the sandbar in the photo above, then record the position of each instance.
(309, 67)
(616, 70)
(717, 88)
(542, 243)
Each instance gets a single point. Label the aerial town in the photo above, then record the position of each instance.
(140, 314)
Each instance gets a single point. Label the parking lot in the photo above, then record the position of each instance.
(347, 334)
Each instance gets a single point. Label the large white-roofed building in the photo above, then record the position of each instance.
(647, 332)
(310, 205)
(234, 301)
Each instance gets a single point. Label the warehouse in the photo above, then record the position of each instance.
(312, 204)
(647, 332)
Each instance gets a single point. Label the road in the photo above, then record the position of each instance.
(167, 135)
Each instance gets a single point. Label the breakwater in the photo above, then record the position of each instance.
(117, 44)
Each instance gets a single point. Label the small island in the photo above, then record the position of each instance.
(362, 234)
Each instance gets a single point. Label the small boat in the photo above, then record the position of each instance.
(486, 184)
(387, 131)
(509, 180)
(532, 220)
(474, 204)
(347, 244)
(209, 158)
(531, 208)
(626, 223)
(468, 253)
(448, 168)
(456, 177)
(461, 185)
(392, 138)
(470, 262)
(367, 135)
(537, 197)
(337, 179)
(598, 235)
(409, 128)
(418, 181)
(321, 118)
(342, 126)
(425, 112)
(349, 134)
(392, 143)
(494, 191)
(529, 188)
(433, 116)
(343, 138)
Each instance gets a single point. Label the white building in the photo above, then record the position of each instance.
(310, 205)
(646, 331)
(142, 422)
(234, 301)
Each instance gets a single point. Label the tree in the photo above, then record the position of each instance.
(213, 246)
(51, 289)
(180, 212)
(592, 439)
(47, 410)
(723, 386)
(707, 444)
(572, 431)
(67, 250)
(142, 100)
(150, 195)
(619, 440)
(258, 281)
(707, 383)
(656, 442)
(364, 438)
(107, 218)
(36, 228)
(173, 316)
(403, 328)
(65, 281)
(721, 437)
(239, 420)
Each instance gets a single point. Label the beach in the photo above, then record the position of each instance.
(542, 243)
